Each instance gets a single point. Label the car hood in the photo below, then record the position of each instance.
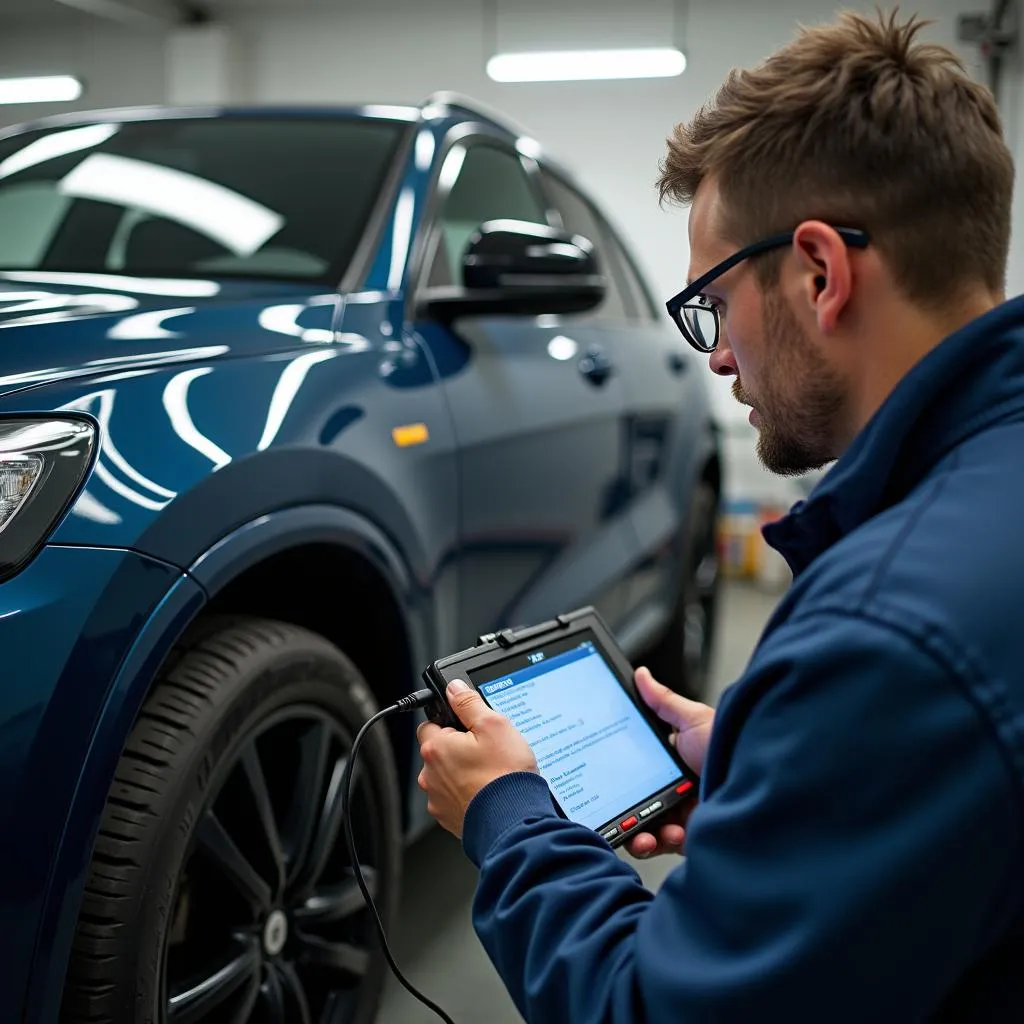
(54, 326)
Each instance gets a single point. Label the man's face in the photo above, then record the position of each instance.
(781, 372)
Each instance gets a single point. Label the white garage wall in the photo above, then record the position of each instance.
(1011, 101)
(118, 66)
(611, 133)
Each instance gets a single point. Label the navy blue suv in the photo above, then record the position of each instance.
(292, 402)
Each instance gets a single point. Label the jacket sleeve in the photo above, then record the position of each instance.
(860, 852)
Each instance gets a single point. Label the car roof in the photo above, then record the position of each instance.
(438, 106)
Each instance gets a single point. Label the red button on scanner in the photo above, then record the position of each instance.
(628, 823)
(684, 787)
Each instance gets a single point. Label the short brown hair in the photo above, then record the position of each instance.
(857, 124)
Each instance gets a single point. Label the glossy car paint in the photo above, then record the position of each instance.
(241, 419)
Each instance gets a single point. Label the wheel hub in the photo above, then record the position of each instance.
(275, 933)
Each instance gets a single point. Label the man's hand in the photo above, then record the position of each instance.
(457, 765)
(691, 722)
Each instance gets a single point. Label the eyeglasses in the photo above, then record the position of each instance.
(697, 316)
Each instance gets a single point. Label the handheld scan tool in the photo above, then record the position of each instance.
(568, 688)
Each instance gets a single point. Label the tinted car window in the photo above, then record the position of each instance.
(639, 296)
(491, 184)
(579, 217)
(279, 197)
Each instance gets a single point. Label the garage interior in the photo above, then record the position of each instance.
(609, 133)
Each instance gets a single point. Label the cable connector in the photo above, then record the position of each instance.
(417, 699)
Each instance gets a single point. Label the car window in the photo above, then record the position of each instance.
(641, 299)
(490, 184)
(579, 217)
(30, 213)
(267, 196)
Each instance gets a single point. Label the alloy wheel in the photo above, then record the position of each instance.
(269, 925)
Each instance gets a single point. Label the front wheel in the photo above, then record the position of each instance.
(220, 887)
(682, 658)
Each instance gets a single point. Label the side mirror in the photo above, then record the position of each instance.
(514, 267)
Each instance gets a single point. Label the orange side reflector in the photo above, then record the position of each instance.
(413, 433)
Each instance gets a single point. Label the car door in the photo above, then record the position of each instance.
(664, 420)
(538, 423)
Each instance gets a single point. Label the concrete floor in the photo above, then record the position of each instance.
(435, 945)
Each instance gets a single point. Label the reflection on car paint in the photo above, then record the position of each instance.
(185, 288)
(175, 399)
(104, 408)
(149, 326)
(401, 237)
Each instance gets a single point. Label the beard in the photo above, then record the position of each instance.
(799, 400)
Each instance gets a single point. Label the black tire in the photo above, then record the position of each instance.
(248, 718)
(682, 658)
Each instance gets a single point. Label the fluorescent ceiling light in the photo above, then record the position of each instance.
(56, 144)
(46, 89)
(237, 222)
(583, 65)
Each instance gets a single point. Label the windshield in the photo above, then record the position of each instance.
(196, 197)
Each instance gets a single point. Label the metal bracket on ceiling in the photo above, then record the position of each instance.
(997, 35)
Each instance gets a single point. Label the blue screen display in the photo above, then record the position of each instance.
(592, 745)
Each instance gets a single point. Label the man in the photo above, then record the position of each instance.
(857, 851)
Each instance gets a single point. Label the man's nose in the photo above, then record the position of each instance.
(722, 361)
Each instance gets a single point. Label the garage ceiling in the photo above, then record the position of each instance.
(45, 10)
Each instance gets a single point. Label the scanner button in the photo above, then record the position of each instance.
(645, 813)
(628, 823)
(609, 833)
(656, 806)
(684, 787)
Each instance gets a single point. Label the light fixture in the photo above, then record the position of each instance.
(43, 89)
(586, 65)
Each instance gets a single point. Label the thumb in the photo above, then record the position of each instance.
(668, 705)
(467, 704)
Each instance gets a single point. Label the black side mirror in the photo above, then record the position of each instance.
(515, 267)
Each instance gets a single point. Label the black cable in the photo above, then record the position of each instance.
(412, 701)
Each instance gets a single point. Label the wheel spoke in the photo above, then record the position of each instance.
(296, 993)
(339, 1007)
(244, 1012)
(337, 902)
(334, 956)
(304, 810)
(331, 818)
(273, 998)
(706, 575)
(214, 840)
(264, 808)
(192, 1004)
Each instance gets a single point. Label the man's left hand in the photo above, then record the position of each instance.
(457, 765)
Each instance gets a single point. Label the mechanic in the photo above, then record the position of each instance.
(856, 854)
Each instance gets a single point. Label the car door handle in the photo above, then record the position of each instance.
(596, 366)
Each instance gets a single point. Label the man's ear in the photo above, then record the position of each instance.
(825, 270)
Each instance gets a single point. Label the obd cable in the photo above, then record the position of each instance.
(418, 699)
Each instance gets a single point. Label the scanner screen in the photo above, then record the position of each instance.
(593, 747)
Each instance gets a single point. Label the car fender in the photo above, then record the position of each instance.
(232, 555)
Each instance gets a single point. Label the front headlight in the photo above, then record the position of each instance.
(42, 465)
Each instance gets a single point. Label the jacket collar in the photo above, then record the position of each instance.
(973, 379)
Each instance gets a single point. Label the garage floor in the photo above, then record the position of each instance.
(436, 947)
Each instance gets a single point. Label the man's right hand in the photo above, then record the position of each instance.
(691, 723)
